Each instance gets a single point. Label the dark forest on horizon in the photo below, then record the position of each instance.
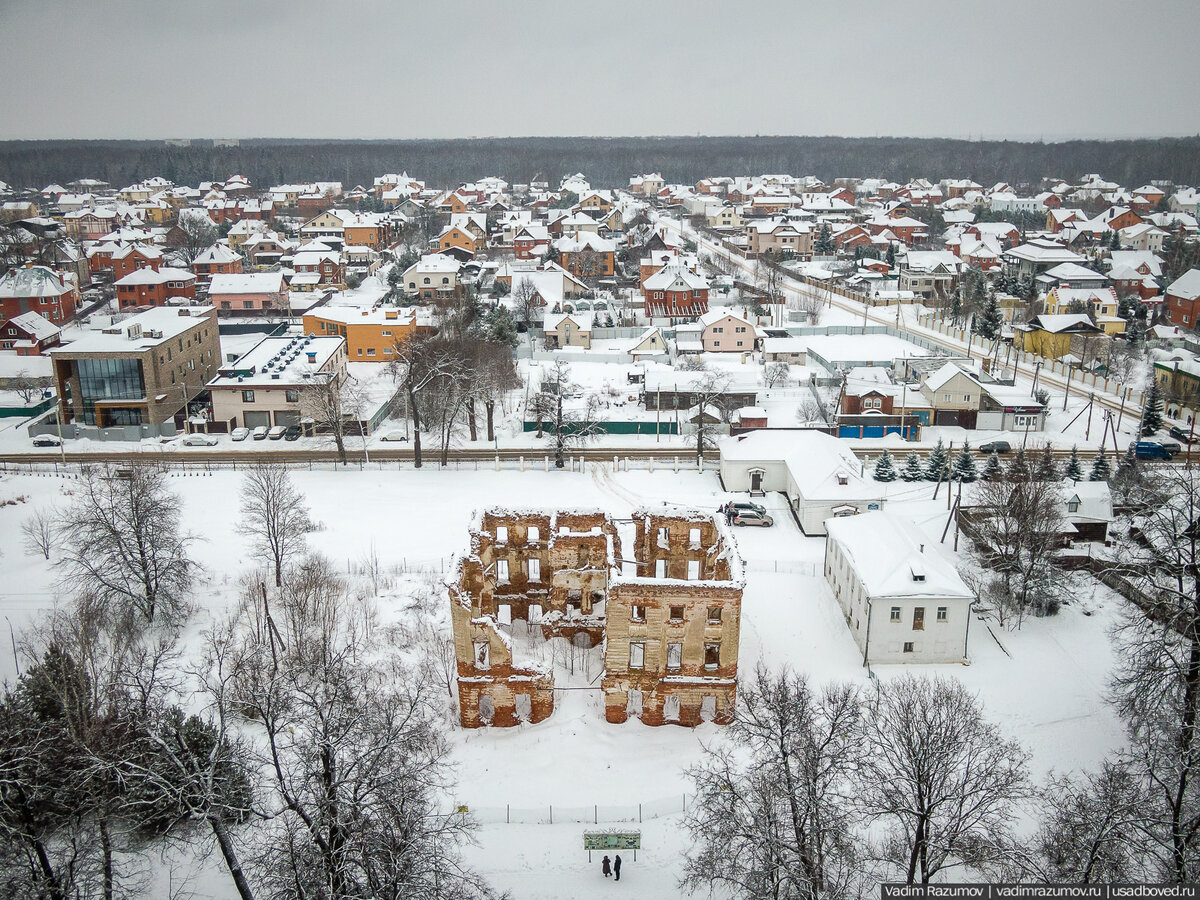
(607, 162)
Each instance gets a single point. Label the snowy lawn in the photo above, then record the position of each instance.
(1048, 693)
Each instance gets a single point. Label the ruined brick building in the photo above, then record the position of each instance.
(661, 592)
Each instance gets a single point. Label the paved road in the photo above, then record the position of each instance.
(801, 289)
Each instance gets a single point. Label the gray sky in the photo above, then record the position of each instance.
(462, 68)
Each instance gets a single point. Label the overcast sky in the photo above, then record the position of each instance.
(441, 68)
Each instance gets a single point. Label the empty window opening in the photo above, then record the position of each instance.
(637, 655)
(674, 656)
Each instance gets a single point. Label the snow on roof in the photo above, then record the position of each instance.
(35, 324)
(141, 332)
(1134, 259)
(360, 315)
(1073, 272)
(816, 462)
(675, 276)
(247, 283)
(217, 253)
(1065, 322)
(891, 558)
(34, 281)
(150, 276)
(1186, 286)
(289, 358)
(581, 320)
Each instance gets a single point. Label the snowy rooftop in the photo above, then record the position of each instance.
(247, 283)
(141, 332)
(893, 559)
(279, 362)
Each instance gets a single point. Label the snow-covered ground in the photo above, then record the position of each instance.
(1047, 690)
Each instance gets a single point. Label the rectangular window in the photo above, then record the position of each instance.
(532, 535)
(637, 613)
(660, 568)
(693, 570)
(674, 657)
(291, 396)
(941, 614)
(908, 647)
(535, 569)
(919, 618)
(637, 655)
(895, 614)
(502, 571)
(694, 537)
(370, 351)
(712, 656)
(714, 615)
(247, 396)
(501, 534)
(676, 613)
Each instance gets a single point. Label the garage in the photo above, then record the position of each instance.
(257, 418)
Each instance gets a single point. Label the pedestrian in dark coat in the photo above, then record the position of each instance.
(605, 867)
(617, 866)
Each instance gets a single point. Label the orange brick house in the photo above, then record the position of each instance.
(216, 260)
(586, 255)
(371, 334)
(131, 257)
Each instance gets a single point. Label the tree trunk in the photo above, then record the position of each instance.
(489, 407)
(416, 423)
(559, 462)
(339, 440)
(471, 426)
(232, 863)
(106, 859)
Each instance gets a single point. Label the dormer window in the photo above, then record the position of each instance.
(1073, 505)
(843, 478)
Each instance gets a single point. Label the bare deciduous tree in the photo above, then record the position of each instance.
(777, 374)
(336, 407)
(122, 544)
(26, 387)
(570, 426)
(195, 232)
(39, 531)
(709, 396)
(274, 515)
(524, 299)
(941, 780)
(1013, 566)
(774, 813)
(1157, 681)
(356, 763)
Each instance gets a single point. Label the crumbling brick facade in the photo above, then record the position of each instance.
(667, 601)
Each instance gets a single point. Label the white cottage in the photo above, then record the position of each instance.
(818, 473)
(902, 598)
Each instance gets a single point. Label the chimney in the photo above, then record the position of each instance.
(922, 548)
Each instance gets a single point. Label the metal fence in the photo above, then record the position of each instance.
(595, 814)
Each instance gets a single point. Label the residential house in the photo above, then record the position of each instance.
(1100, 303)
(132, 257)
(929, 273)
(273, 383)
(29, 334)
(778, 237)
(53, 295)
(143, 370)
(1144, 236)
(1036, 256)
(219, 259)
(531, 242)
(903, 599)
(248, 294)
(675, 292)
(1071, 275)
(722, 331)
(155, 287)
(587, 255)
(568, 330)
(818, 473)
(1181, 304)
(434, 275)
(317, 267)
(1059, 336)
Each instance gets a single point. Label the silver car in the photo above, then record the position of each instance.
(752, 517)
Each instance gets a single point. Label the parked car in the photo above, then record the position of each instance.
(1172, 447)
(199, 440)
(1151, 450)
(1182, 434)
(995, 447)
(277, 432)
(47, 440)
(259, 433)
(747, 504)
(292, 434)
(240, 434)
(394, 436)
(752, 517)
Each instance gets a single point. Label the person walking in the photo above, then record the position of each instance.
(617, 866)
(606, 867)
